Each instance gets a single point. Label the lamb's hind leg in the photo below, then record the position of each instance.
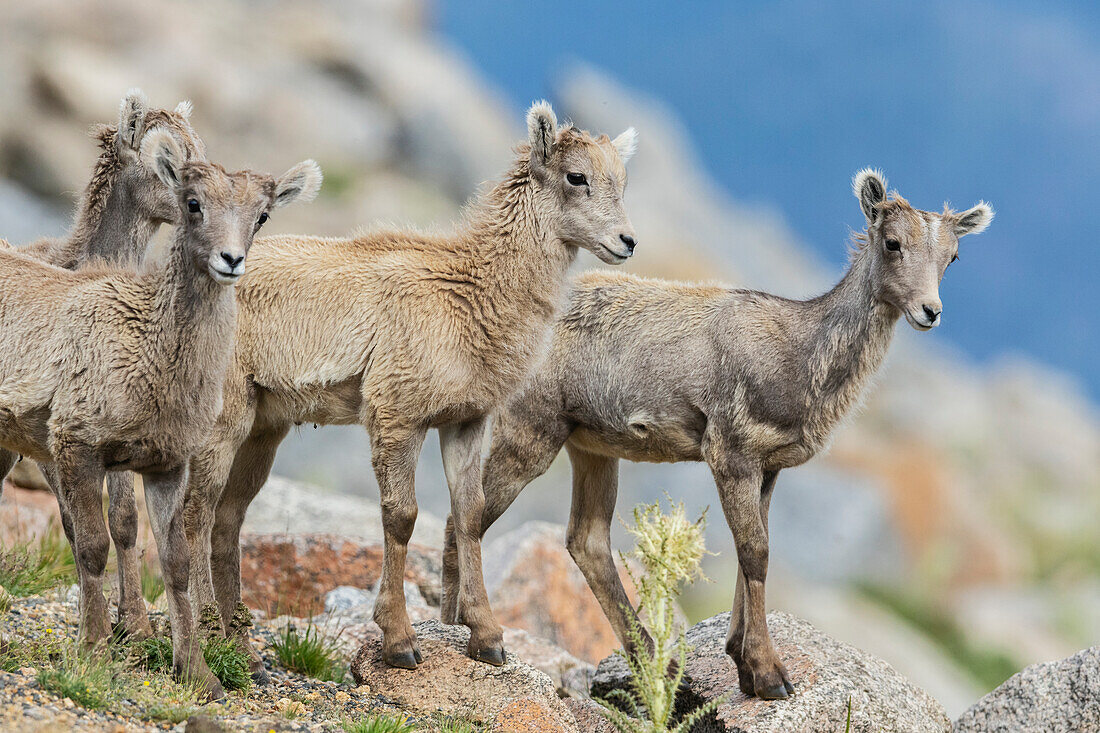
(395, 450)
(78, 482)
(164, 499)
(461, 447)
(248, 475)
(524, 446)
(122, 518)
(739, 488)
(595, 487)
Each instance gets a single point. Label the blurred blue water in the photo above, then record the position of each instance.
(958, 100)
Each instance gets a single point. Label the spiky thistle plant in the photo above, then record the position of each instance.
(668, 551)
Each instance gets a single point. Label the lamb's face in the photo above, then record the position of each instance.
(220, 212)
(581, 181)
(912, 249)
(150, 199)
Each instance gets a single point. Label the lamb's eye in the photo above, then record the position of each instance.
(263, 218)
(193, 206)
(576, 179)
(955, 258)
(893, 245)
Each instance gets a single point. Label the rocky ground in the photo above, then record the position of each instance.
(557, 641)
(838, 687)
(290, 702)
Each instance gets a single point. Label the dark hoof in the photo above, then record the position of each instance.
(214, 691)
(417, 655)
(493, 655)
(402, 660)
(775, 692)
(789, 686)
(261, 677)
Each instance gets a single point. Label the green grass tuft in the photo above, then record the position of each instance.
(228, 663)
(377, 724)
(35, 567)
(153, 654)
(309, 653)
(451, 724)
(86, 679)
(225, 659)
(14, 655)
(105, 680)
(152, 585)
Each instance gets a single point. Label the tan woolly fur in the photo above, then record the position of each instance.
(401, 332)
(111, 368)
(121, 208)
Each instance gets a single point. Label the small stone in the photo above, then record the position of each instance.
(342, 697)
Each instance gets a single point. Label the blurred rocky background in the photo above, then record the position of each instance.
(950, 530)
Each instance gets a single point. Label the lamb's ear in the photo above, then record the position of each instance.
(131, 118)
(869, 186)
(184, 109)
(974, 220)
(162, 153)
(542, 129)
(626, 144)
(300, 183)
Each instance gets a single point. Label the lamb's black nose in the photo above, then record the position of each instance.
(628, 241)
(932, 313)
(231, 260)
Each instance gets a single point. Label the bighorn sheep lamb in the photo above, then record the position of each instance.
(401, 332)
(751, 383)
(117, 215)
(108, 368)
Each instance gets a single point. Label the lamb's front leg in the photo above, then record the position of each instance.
(78, 479)
(461, 447)
(739, 486)
(395, 450)
(164, 499)
(526, 438)
(122, 519)
(207, 476)
(735, 641)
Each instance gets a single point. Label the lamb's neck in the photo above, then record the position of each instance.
(192, 319)
(523, 262)
(108, 225)
(847, 346)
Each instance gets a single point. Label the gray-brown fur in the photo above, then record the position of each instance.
(402, 332)
(120, 209)
(750, 383)
(108, 368)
